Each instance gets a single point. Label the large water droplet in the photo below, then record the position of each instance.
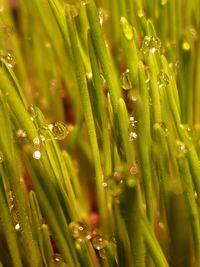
(162, 79)
(151, 44)
(32, 110)
(125, 80)
(58, 129)
(37, 154)
(98, 242)
(79, 231)
(127, 29)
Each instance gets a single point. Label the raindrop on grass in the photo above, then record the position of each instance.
(98, 242)
(79, 231)
(132, 129)
(127, 29)
(36, 142)
(103, 16)
(164, 126)
(181, 149)
(32, 110)
(151, 44)
(9, 59)
(125, 80)
(162, 80)
(37, 154)
(58, 130)
(17, 227)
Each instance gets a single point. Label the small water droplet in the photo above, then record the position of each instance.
(89, 75)
(164, 126)
(132, 129)
(21, 133)
(127, 29)
(185, 46)
(36, 142)
(1, 157)
(125, 80)
(162, 80)
(84, 2)
(17, 227)
(79, 231)
(37, 154)
(58, 260)
(124, 174)
(181, 149)
(151, 44)
(98, 242)
(9, 59)
(188, 131)
(32, 110)
(103, 16)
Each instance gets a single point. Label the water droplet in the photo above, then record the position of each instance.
(132, 129)
(125, 80)
(151, 44)
(164, 126)
(181, 149)
(188, 130)
(9, 59)
(21, 133)
(98, 242)
(127, 29)
(79, 231)
(162, 80)
(1, 157)
(32, 110)
(185, 46)
(37, 154)
(17, 227)
(84, 2)
(124, 174)
(36, 142)
(164, 2)
(58, 260)
(58, 129)
(103, 16)
(89, 75)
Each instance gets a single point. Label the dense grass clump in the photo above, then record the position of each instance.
(100, 133)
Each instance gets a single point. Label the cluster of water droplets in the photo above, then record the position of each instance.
(132, 129)
(8, 58)
(126, 174)
(151, 44)
(80, 231)
(162, 80)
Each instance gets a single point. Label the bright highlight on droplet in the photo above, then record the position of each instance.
(185, 46)
(17, 226)
(37, 154)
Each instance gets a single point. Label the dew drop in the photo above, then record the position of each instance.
(21, 133)
(151, 44)
(58, 129)
(37, 154)
(89, 75)
(32, 110)
(98, 242)
(79, 231)
(58, 260)
(1, 157)
(127, 29)
(164, 126)
(181, 149)
(9, 59)
(132, 129)
(125, 80)
(132, 136)
(17, 227)
(84, 2)
(162, 80)
(188, 131)
(36, 142)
